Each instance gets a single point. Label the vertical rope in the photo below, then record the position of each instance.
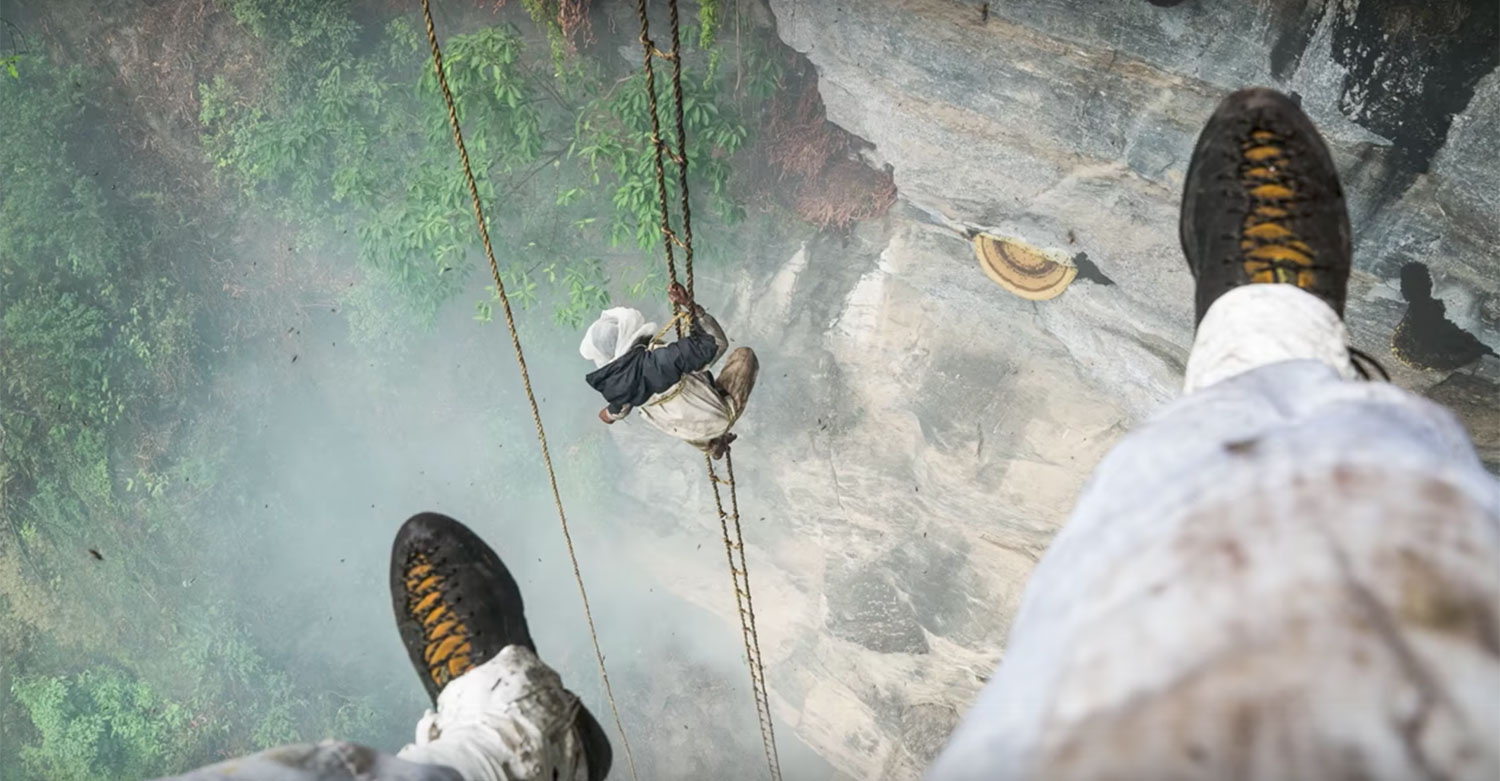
(682, 158)
(739, 570)
(515, 341)
(648, 52)
(740, 573)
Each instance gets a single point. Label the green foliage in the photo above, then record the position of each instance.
(101, 723)
(708, 23)
(340, 132)
(99, 340)
(75, 489)
(615, 136)
(60, 358)
(763, 71)
(89, 343)
(304, 130)
(244, 702)
(318, 30)
(494, 94)
(544, 13)
(363, 141)
(106, 723)
(586, 291)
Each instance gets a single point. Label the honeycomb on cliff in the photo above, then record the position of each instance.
(1030, 273)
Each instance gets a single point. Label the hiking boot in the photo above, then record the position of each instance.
(1262, 203)
(457, 606)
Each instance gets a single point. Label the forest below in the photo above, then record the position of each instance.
(191, 194)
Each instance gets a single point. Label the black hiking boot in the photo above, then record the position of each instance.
(457, 606)
(1262, 203)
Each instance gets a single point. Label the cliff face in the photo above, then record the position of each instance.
(1069, 125)
(918, 433)
(914, 441)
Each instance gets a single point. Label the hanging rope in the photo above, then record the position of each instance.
(669, 238)
(682, 159)
(734, 548)
(739, 572)
(515, 342)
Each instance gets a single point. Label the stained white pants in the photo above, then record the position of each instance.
(1283, 575)
(1258, 325)
(509, 719)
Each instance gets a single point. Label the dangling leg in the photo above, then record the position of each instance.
(737, 378)
(734, 382)
(501, 712)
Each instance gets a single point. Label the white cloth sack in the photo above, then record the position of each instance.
(692, 410)
(613, 333)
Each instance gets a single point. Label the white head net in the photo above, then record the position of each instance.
(613, 333)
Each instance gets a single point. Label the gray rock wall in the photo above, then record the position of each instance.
(915, 440)
(919, 434)
(1073, 120)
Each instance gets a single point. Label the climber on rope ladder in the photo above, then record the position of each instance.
(670, 384)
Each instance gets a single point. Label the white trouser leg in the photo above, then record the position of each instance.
(1257, 325)
(509, 719)
(331, 760)
(1285, 575)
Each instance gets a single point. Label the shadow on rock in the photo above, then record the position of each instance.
(1425, 338)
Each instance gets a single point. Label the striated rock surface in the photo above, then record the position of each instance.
(919, 433)
(1069, 124)
(915, 440)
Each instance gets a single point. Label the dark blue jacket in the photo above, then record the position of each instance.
(639, 374)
